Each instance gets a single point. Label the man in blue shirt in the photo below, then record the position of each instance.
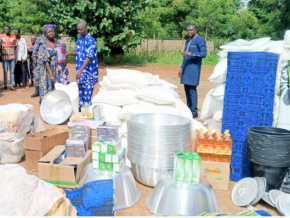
(189, 72)
(87, 72)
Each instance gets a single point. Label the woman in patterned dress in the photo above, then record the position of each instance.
(49, 72)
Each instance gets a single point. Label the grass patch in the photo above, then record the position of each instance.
(164, 58)
(143, 58)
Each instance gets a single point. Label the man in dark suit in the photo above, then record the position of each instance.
(189, 72)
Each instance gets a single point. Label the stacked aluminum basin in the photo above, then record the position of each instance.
(152, 141)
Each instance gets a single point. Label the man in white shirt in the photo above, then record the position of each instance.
(21, 60)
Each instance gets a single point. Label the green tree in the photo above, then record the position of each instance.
(28, 15)
(270, 16)
(116, 24)
(214, 16)
(243, 25)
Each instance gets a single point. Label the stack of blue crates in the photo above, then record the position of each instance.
(248, 101)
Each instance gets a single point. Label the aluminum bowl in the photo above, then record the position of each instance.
(126, 191)
(172, 198)
(56, 107)
(149, 176)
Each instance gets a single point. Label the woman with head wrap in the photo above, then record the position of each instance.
(49, 73)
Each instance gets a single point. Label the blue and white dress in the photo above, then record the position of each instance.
(86, 47)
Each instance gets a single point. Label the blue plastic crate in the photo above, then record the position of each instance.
(239, 145)
(248, 101)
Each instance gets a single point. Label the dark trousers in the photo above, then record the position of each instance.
(191, 97)
(21, 73)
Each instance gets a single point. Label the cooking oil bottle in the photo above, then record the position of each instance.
(210, 145)
(201, 141)
(228, 147)
(218, 142)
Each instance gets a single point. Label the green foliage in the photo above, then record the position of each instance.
(270, 16)
(220, 21)
(115, 24)
(142, 58)
(27, 15)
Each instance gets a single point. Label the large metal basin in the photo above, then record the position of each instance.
(56, 107)
(149, 176)
(175, 198)
(126, 191)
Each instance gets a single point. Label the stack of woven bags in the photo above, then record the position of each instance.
(212, 109)
(125, 92)
(16, 120)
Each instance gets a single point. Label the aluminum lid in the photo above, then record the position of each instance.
(273, 194)
(267, 199)
(244, 192)
(284, 204)
(261, 190)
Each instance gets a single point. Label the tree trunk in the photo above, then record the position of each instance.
(101, 58)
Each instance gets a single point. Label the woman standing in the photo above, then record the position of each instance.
(30, 55)
(49, 73)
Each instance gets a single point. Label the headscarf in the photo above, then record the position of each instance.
(48, 26)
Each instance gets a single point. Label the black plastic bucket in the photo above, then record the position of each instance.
(274, 175)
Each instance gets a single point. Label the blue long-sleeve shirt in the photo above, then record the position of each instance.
(39, 41)
(192, 64)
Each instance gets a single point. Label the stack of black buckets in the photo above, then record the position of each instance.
(269, 154)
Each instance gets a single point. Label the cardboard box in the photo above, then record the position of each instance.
(66, 174)
(38, 144)
(217, 173)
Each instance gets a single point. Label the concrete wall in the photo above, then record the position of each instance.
(168, 45)
(149, 44)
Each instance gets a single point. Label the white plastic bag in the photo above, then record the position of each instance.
(244, 45)
(11, 152)
(120, 97)
(23, 194)
(38, 125)
(142, 107)
(72, 90)
(106, 84)
(218, 116)
(213, 124)
(276, 110)
(164, 83)
(210, 106)
(219, 90)
(167, 109)
(134, 78)
(158, 95)
(186, 112)
(219, 74)
(13, 114)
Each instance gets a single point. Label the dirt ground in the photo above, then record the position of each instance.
(167, 72)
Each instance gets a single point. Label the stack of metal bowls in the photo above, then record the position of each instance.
(152, 141)
(269, 153)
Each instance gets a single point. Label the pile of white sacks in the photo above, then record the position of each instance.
(212, 109)
(16, 120)
(125, 92)
(287, 40)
